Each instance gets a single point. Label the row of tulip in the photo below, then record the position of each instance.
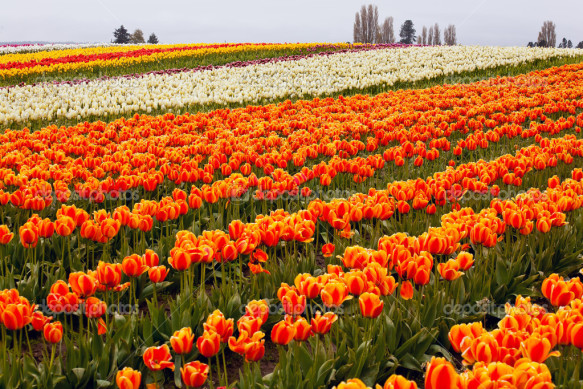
(164, 154)
(267, 82)
(119, 60)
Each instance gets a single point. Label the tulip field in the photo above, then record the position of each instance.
(291, 216)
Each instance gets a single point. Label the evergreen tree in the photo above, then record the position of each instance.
(407, 33)
(153, 39)
(121, 35)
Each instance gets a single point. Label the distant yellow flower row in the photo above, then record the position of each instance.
(58, 61)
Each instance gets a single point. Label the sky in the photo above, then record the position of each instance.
(478, 22)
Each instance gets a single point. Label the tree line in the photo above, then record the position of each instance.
(547, 37)
(368, 30)
(122, 36)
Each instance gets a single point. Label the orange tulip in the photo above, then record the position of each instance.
(182, 340)
(82, 284)
(5, 235)
(537, 349)
(109, 274)
(128, 378)
(353, 383)
(133, 266)
(370, 304)
(16, 316)
(449, 270)
(440, 374)
(303, 329)
(334, 294)
(157, 274)
(194, 374)
(53, 332)
(396, 381)
(321, 324)
(220, 325)
(465, 260)
(209, 343)
(158, 358)
(94, 307)
(293, 303)
(406, 290)
(258, 309)
(151, 259)
(328, 250)
(283, 332)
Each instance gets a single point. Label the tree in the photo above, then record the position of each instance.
(430, 37)
(547, 35)
(580, 45)
(153, 39)
(367, 27)
(569, 44)
(530, 44)
(542, 43)
(386, 32)
(449, 35)
(407, 33)
(423, 36)
(121, 35)
(137, 37)
(436, 35)
(357, 34)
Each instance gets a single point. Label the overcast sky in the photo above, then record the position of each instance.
(482, 22)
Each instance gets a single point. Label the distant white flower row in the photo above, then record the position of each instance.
(14, 49)
(315, 76)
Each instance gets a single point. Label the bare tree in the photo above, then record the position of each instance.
(366, 24)
(386, 33)
(436, 35)
(372, 23)
(137, 37)
(547, 34)
(449, 35)
(357, 29)
(430, 37)
(423, 36)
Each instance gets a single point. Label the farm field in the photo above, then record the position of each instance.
(291, 215)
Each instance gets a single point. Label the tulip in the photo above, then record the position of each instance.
(440, 374)
(396, 381)
(283, 332)
(407, 290)
(53, 332)
(209, 343)
(217, 322)
(303, 329)
(158, 358)
(449, 270)
(94, 307)
(353, 383)
(128, 378)
(537, 350)
(321, 324)
(258, 309)
(370, 304)
(5, 235)
(328, 250)
(133, 266)
(194, 374)
(157, 274)
(109, 275)
(182, 340)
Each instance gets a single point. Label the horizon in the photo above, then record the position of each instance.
(493, 23)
